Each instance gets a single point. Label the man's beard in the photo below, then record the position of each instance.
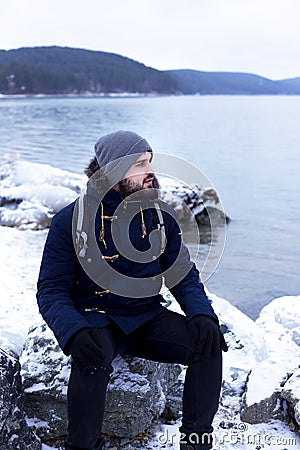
(128, 187)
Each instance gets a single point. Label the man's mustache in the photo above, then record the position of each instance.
(149, 176)
(155, 183)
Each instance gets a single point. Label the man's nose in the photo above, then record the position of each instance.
(149, 168)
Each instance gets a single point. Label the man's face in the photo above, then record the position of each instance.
(139, 176)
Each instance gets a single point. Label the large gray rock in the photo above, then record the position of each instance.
(14, 431)
(137, 395)
(138, 391)
(196, 201)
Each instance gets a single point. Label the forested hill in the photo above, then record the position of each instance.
(64, 70)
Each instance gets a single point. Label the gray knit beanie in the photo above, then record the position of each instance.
(116, 152)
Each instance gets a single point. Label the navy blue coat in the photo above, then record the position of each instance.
(69, 299)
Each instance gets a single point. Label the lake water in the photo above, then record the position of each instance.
(248, 146)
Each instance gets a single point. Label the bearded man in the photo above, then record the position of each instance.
(99, 291)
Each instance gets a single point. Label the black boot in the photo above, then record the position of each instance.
(195, 447)
(99, 446)
(195, 441)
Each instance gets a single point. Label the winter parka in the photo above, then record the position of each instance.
(69, 299)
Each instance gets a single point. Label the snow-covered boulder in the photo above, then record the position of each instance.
(45, 372)
(280, 323)
(246, 344)
(31, 193)
(30, 215)
(247, 347)
(196, 201)
(14, 431)
(137, 394)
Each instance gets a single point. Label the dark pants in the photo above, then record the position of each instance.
(165, 338)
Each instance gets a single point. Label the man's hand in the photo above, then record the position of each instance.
(84, 348)
(207, 335)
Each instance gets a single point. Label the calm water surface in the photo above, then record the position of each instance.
(249, 148)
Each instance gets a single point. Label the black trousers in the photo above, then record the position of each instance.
(165, 338)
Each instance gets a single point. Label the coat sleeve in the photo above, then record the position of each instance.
(181, 275)
(56, 280)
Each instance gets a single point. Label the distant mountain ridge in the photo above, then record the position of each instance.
(65, 70)
(233, 83)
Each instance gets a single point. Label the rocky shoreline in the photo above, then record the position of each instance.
(31, 193)
(261, 384)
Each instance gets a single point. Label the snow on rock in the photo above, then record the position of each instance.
(246, 345)
(280, 323)
(31, 193)
(17, 172)
(249, 338)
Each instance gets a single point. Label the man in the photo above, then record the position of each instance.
(98, 290)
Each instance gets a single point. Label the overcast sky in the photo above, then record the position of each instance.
(256, 36)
